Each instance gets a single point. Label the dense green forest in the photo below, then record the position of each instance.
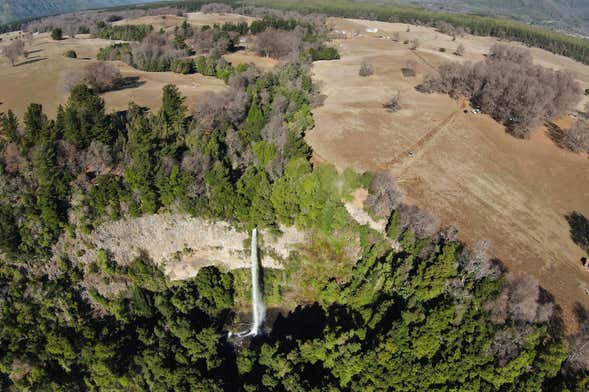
(125, 33)
(410, 310)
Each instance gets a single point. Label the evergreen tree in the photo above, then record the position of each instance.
(254, 123)
(9, 126)
(35, 121)
(84, 119)
(173, 109)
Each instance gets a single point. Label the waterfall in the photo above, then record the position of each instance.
(258, 309)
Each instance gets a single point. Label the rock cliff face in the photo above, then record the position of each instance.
(182, 244)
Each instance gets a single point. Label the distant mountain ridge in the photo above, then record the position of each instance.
(566, 15)
(16, 10)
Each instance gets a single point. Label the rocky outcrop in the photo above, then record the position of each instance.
(182, 244)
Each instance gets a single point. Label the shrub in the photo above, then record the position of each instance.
(57, 34)
(115, 52)
(459, 50)
(405, 42)
(183, 66)
(324, 53)
(577, 138)
(587, 91)
(71, 54)
(393, 104)
(366, 69)
(414, 44)
(443, 50)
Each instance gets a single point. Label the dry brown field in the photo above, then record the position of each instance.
(248, 57)
(37, 78)
(466, 169)
(167, 22)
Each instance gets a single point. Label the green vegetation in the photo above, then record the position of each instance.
(257, 26)
(114, 52)
(57, 34)
(125, 33)
(324, 53)
(71, 54)
(183, 66)
(412, 311)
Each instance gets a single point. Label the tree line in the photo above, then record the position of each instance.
(509, 87)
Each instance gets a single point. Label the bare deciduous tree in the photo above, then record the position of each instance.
(197, 164)
(384, 196)
(578, 358)
(476, 261)
(420, 221)
(216, 8)
(103, 76)
(69, 79)
(278, 43)
(14, 51)
(510, 342)
(68, 156)
(520, 300)
(577, 138)
(155, 53)
(229, 107)
(509, 87)
(97, 158)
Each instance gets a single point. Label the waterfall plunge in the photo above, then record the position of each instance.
(258, 309)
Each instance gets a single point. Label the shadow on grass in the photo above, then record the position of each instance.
(33, 51)
(31, 61)
(129, 82)
(579, 229)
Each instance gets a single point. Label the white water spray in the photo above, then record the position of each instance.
(258, 308)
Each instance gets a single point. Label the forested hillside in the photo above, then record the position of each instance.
(409, 308)
(15, 10)
(566, 15)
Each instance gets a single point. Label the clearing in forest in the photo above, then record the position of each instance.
(464, 167)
